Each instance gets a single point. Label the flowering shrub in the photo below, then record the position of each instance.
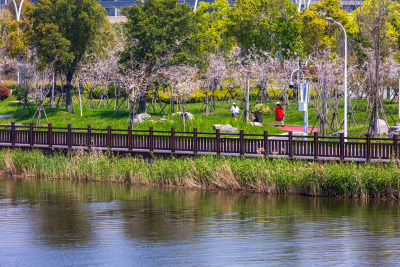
(4, 92)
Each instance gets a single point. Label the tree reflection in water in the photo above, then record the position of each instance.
(94, 214)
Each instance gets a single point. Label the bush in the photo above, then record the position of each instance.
(262, 110)
(19, 93)
(4, 92)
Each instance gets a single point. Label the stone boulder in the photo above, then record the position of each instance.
(382, 127)
(6, 116)
(188, 115)
(394, 130)
(141, 117)
(8, 126)
(227, 128)
(257, 124)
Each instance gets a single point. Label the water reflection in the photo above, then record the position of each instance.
(117, 224)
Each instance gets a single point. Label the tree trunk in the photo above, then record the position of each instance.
(143, 104)
(184, 117)
(52, 90)
(207, 102)
(68, 96)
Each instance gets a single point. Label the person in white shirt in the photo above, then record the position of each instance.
(235, 111)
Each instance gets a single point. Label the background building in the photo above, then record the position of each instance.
(113, 7)
(348, 5)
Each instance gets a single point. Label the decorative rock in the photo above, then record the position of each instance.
(257, 124)
(394, 130)
(225, 128)
(382, 127)
(6, 116)
(141, 117)
(188, 115)
(8, 126)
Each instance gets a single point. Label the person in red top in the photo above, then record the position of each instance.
(279, 116)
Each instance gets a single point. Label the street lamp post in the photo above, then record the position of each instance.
(345, 73)
(398, 95)
(303, 91)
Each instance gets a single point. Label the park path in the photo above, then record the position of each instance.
(294, 128)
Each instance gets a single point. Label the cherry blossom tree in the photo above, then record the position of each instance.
(215, 74)
(183, 81)
(136, 83)
(327, 70)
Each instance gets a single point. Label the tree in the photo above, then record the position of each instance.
(63, 31)
(15, 37)
(377, 22)
(268, 25)
(212, 35)
(319, 35)
(158, 32)
(184, 82)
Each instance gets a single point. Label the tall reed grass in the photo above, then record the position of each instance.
(278, 176)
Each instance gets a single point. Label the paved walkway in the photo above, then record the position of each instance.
(293, 128)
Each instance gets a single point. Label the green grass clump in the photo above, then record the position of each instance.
(279, 176)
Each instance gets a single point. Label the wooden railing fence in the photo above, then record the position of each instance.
(216, 143)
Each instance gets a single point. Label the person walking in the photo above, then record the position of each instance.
(235, 111)
(279, 116)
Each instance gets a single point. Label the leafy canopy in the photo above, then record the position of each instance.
(64, 31)
(159, 32)
(267, 25)
(318, 34)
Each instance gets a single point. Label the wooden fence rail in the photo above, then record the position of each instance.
(193, 143)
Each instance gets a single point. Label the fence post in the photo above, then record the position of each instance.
(290, 145)
(172, 140)
(265, 143)
(151, 141)
(218, 141)
(315, 145)
(195, 140)
(50, 134)
(12, 137)
(342, 146)
(130, 138)
(69, 136)
(395, 145)
(241, 142)
(368, 147)
(109, 136)
(89, 136)
(31, 137)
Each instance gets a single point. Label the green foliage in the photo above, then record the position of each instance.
(159, 31)
(4, 92)
(317, 33)
(378, 28)
(63, 32)
(262, 175)
(213, 23)
(16, 90)
(267, 25)
(262, 109)
(200, 95)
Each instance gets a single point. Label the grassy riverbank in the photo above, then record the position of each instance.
(280, 176)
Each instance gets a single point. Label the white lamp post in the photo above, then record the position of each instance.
(304, 92)
(345, 73)
(18, 10)
(398, 96)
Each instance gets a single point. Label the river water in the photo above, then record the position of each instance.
(58, 223)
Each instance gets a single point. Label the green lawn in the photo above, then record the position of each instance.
(102, 117)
